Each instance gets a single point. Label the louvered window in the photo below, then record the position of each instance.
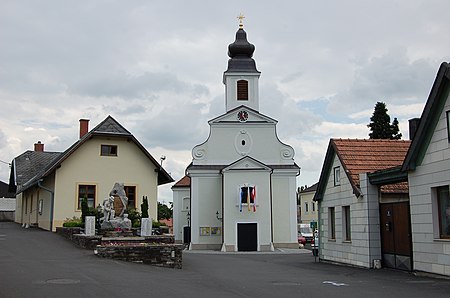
(242, 90)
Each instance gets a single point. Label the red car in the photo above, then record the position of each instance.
(301, 239)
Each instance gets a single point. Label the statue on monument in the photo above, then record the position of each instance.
(108, 210)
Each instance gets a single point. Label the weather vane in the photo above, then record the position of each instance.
(241, 17)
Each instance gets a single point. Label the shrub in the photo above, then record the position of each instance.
(144, 207)
(156, 224)
(135, 217)
(73, 223)
(84, 208)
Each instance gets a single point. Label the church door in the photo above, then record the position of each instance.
(186, 235)
(247, 237)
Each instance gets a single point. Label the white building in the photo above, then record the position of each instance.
(242, 178)
(428, 167)
(350, 202)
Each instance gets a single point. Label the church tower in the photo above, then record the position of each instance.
(241, 78)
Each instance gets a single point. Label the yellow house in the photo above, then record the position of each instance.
(308, 208)
(50, 185)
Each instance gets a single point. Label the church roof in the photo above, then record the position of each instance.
(254, 116)
(221, 167)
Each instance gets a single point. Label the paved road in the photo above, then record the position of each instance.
(36, 263)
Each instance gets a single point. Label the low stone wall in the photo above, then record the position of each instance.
(169, 255)
(157, 250)
(7, 215)
(68, 232)
(74, 235)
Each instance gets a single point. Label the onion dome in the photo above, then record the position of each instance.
(240, 53)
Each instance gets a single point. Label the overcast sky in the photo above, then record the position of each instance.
(157, 66)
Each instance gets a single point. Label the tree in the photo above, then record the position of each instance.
(164, 212)
(380, 125)
(84, 209)
(144, 207)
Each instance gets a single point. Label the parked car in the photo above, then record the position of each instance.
(301, 239)
(306, 231)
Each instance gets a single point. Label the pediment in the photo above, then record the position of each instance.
(246, 163)
(235, 116)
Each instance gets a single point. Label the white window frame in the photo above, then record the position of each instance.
(337, 175)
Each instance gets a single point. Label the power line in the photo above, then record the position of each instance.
(9, 164)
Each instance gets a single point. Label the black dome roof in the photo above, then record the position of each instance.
(240, 53)
(241, 47)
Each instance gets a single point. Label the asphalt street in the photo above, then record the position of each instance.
(37, 263)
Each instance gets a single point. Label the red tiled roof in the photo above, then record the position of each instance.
(361, 156)
(167, 222)
(401, 187)
(183, 182)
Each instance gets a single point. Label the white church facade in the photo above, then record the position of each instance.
(241, 191)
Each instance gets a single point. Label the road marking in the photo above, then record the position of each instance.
(336, 284)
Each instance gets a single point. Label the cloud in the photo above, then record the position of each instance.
(128, 86)
(293, 119)
(391, 78)
(2, 139)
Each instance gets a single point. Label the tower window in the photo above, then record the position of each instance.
(242, 90)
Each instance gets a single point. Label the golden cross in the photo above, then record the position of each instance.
(241, 17)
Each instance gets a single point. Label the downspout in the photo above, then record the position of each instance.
(319, 229)
(52, 202)
(271, 210)
(223, 217)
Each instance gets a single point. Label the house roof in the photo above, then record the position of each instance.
(362, 156)
(183, 182)
(311, 188)
(108, 127)
(429, 119)
(5, 192)
(27, 165)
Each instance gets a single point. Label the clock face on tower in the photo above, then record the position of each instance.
(242, 116)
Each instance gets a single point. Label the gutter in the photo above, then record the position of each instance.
(52, 201)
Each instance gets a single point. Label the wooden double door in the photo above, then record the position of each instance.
(396, 241)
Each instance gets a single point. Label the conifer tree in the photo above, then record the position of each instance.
(144, 207)
(380, 125)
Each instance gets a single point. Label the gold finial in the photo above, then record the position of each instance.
(241, 17)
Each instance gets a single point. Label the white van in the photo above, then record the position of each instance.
(306, 231)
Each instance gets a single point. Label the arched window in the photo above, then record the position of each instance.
(242, 90)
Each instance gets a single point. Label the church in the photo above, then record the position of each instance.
(239, 192)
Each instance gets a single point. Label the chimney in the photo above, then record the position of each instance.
(413, 125)
(84, 127)
(39, 147)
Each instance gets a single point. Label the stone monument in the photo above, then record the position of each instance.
(146, 227)
(115, 209)
(89, 225)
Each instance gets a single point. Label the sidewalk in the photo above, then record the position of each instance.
(277, 251)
